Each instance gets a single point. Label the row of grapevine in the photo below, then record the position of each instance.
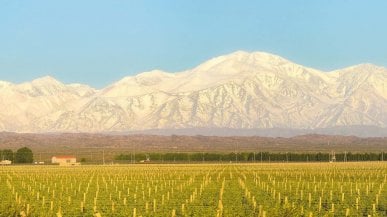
(262, 190)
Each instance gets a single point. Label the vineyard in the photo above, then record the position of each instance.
(262, 189)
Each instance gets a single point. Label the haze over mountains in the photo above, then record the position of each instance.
(240, 93)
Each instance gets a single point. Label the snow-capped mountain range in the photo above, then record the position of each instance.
(237, 91)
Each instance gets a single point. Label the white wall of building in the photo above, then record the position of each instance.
(56, 160)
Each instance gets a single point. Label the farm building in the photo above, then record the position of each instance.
(63, 160)
(5, 162)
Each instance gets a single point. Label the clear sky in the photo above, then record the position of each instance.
(99, 42)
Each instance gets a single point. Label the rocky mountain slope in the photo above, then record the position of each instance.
(236, 91)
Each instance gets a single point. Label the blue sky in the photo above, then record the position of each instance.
(99, 42)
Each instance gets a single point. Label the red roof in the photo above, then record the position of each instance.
(64, 156)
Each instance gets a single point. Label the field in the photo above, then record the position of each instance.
(276, 189)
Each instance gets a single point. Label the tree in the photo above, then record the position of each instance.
(7, 154)
(24, 155)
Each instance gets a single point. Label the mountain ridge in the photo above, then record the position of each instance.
(238, 91)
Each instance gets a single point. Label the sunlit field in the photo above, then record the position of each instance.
(276, 189)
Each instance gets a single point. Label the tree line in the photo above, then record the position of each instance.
(22, 155)
(251, 157)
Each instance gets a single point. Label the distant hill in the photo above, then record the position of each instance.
(61, 143)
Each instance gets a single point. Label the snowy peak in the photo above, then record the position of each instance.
(44, 86)
(242, 59)
(4, 84)
(259, 57)
(152, 78)
(45, 81)
(154, 73)
(82, 89)
(363, 78)
(364, 67)
(240, 90)
(143, 83)
(47, 86)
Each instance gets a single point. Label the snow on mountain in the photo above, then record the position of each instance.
(241, 91)
(82, 90)
(140, 84)
(363, 97)
(4, 84)
(22, 104)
